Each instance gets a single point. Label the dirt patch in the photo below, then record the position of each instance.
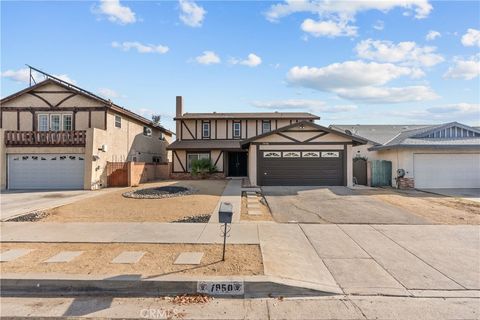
(158, 259)
(265, 216)
(113, 207)
(435, 208)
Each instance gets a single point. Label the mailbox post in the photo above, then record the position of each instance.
(225, 214)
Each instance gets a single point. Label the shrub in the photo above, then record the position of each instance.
(202, 167)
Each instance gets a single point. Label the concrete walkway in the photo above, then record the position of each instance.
(18, 202)
(425, 260)
(233, 195)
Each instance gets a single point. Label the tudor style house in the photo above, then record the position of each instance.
(274, 148)
(55, 135)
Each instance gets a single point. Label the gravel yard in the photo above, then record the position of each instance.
(114, 207)
(158, 259)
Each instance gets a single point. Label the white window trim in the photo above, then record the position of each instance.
(115, 121)
(59, 121)
(330, 154)
(264, 122)
(38, 121)
(207, 124)
(63, 121)
(311, 154)
(239, 129)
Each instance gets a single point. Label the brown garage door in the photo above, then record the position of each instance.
(300, 168)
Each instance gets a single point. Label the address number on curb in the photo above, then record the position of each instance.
(221, 287)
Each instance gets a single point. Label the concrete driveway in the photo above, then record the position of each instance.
(332, 205)
(15, 203)
(472, 194)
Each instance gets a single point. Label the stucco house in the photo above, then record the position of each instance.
(432, 156)
(270, 148)
(55, 135)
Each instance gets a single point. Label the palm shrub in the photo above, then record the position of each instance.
(202, 167)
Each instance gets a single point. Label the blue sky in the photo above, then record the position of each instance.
(348, 62)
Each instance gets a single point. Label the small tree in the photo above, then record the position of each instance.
(202, 167)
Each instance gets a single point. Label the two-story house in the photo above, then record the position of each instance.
(271, 148)
(55, 135)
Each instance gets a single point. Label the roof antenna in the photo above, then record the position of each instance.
(30, 78)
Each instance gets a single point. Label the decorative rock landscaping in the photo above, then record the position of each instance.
(203, 218)
(30, 217)
(158, 192)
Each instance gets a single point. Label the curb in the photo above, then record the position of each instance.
(136, 286)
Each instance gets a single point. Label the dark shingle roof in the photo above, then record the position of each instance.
(205, 145)
(249, 115)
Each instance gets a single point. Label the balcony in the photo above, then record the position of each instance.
(45, 138)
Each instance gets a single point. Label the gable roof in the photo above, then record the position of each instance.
(73, 88)
(451, 134)
(377, 134)
(357, 140)
(248, 115)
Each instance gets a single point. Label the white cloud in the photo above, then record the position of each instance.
(348, 74)
(208, 57)
(451, 112)
(388, 95)
(108, 93)
(471, 38)
(432, 35)
(361, 81)
(192, 14)
(141, 48)
(116, 12)
(252, 60)
(303, 104)
(328, 28)
(23, 75)
(464, 69)
(379, 25)
(336, 16)
(406, 53)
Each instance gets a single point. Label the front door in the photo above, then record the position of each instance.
(237, 164)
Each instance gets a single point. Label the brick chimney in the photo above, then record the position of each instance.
(179, 113)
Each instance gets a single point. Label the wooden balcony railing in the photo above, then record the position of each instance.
(45, 138)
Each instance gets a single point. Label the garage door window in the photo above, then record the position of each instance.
(271, 154)
(291, 154)
(195, 156)
(310, 154)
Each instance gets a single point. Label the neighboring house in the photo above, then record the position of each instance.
(433, 156)
(55, 135)
(274, 148)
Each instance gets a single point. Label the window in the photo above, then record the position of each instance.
(237, 129)
(272, 154)
(195, 156)
(118, 121)
(156, 159)
(266, 126)
(55, 122)
(67, 122)
(147, 131)
(42, 122)
(206, 130)
(330, 154)
(291, 154)
(311, 154)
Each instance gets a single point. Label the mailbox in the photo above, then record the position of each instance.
(225, 212)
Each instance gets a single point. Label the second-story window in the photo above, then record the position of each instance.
(237, 129)
(118, 121)
(42, 122)
(147, 131)
(54, 122)
(266, 126)
(206, 130)
(67, 122)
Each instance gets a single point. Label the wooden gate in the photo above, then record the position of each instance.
(360, 171)
(117, 174)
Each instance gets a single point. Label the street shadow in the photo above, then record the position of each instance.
(82, 306)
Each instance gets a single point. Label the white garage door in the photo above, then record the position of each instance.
(45, 171)
(447, 170)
